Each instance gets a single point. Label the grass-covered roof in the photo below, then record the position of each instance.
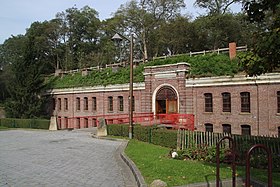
(200, 66)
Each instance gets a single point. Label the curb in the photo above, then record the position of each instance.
(138, 177)
(135, 171)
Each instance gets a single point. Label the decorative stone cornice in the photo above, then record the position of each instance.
(270, 78)
(109, 88)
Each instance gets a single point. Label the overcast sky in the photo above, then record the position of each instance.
(17, 15)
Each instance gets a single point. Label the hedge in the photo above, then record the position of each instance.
(151, 134)
(25, 123)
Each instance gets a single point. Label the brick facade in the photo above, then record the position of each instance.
(263, 117)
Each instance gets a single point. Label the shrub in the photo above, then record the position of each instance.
(154, 135)
(25, 123)
(117, 130)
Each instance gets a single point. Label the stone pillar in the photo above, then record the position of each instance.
(53, 124)
(102, 127)
(232, 50)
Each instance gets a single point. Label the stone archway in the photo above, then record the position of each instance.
(166, 101)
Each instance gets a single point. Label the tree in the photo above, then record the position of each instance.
(174, 36)
(216, 7)
(10, 52)
(142, 18)
(217, 31)
(266, 48)
(80, 34)
(26, 83)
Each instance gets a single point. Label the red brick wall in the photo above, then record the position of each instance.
(263, 117)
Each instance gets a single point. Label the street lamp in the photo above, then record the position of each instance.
(118, 37)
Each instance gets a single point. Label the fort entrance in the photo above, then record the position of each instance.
(166, 101)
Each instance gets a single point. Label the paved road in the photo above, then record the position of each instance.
(60, 158)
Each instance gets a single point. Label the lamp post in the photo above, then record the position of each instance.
(118, 37)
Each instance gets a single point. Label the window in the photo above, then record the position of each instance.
(85, 103)
(245, 129)
(78, 123)
(110, 103)
(279, 132)
(53, 103)
(209, 127)
(78, 104)
(208, 102)
(226, 102)
(120, 99)
(278, 102)
(85, 122)
(65, 103)
(227, 128)
(66, 122)
(245, 101)
(59, 122)
(94, 107)
(94, 123)
(59, 103)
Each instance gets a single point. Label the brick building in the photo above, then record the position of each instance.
(239, 104)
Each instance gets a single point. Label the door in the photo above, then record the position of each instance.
(166, 101)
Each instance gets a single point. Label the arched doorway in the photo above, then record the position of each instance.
(166, 101)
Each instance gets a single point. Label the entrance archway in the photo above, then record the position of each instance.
(166, 101)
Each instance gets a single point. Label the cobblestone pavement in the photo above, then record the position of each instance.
(60, 158)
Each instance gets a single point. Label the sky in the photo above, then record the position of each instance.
(17, 15)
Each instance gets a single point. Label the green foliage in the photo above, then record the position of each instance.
(26, 84)
(251, 63)
(201, 66)
(266, 15)
(213, 65)
(25, 123)
(154, 135)
(154, 163)
(117, 130)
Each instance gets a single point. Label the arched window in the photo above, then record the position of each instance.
(227, 128)
(208, 102)
(245, 130)
(208, 127)
(78, 104)
(65, 104)
(166, 92)
(110, 104)
(59, 103)
(226, 102)
(94, 105)
(120, 102)
(85, 103)
(245, 101)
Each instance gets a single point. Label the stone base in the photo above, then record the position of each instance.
(53, 124)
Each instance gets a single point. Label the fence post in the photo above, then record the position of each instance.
(150, 135)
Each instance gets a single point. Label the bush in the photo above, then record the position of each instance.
(25, 123)
(154, 135)
(117, 130)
